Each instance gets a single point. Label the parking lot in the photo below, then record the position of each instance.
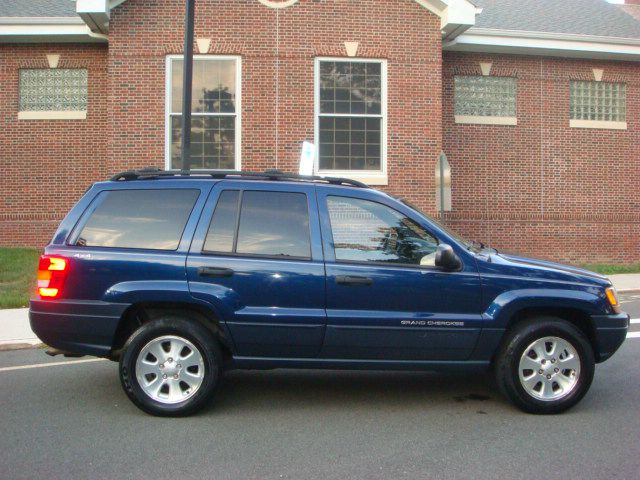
(72, 420)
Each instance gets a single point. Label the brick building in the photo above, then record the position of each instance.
(535, 103)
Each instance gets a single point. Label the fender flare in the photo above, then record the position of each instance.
(506, 305)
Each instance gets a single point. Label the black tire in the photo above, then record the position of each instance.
(201, 338)
(519, 338)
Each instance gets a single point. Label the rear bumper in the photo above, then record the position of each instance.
(75, 326)
(610, 333)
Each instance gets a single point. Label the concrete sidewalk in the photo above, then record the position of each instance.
(627, 282)
(15, 331)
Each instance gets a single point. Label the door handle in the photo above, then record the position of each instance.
(353, 280)
(214, 272)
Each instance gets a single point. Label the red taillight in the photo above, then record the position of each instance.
(52, 272)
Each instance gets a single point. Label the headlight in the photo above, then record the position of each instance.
(612, 298)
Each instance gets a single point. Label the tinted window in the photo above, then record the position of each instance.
(271, 223)
(139, 219)
(274, 223)
(365, 231)
(223, 224)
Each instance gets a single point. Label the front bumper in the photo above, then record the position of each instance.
(610, 332)
(76, 326)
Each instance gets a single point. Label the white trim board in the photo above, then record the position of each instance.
(57, 31)
(545, 44)
(485, 120)
(602, 124)
(52, 115)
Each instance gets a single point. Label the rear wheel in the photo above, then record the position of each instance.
(546, 365)
(171, 366)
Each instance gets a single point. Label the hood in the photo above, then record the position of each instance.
(544, 270)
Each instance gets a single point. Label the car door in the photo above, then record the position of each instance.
(385, 297)
(257, 259)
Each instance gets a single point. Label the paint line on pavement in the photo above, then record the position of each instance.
(635, 320)
(633, 335)
(50, 364)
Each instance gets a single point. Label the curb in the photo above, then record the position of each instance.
(20, 345)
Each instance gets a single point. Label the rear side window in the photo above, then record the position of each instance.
(149, 219)
(273, 224)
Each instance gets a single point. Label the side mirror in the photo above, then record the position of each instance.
(446, 258)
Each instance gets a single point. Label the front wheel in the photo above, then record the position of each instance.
(546, 365)
(171, 367)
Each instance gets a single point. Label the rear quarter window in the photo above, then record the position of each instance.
(143, 219)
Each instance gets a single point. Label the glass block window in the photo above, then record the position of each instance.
(601, 101)
(485, 96)
(214, 110)
(351, 115)
(53, 89)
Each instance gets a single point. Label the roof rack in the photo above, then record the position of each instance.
(273, 175)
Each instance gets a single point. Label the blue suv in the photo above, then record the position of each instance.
(180, 276)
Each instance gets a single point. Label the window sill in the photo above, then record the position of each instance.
(370, 179)
(482, 120)
(598, 124)
(53, 115)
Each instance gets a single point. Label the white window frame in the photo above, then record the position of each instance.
(237, 113)
(371, 177)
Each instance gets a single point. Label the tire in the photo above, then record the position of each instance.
(545, 365)
(176, 389)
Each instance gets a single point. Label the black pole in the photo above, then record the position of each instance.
(187, 83)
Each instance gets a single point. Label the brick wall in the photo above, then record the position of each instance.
(542, 188)
(278, 48)
(47, 164)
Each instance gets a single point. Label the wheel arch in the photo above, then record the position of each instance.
(574, 306)
(143, 312)
(577, 317)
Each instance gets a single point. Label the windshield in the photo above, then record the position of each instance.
(469, 244)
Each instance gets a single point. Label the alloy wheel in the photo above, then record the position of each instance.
(549, 368)
(170, 369)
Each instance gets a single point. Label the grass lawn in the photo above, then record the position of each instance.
(18, 269)
(607, 269)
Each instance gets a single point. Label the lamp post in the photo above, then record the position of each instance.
(187, 84)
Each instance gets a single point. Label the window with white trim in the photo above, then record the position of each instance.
(215, 117)
(351, 115)
(597, 101)
(484, 96)
(53, 90)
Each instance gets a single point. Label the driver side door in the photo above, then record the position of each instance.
(386, 300)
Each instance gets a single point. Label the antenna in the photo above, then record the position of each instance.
(187, 84)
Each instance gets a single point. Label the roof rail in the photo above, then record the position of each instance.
(274, 175)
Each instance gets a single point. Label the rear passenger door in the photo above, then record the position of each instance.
(257, 259)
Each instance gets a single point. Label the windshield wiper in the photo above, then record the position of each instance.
(480, 246)
(475, 243)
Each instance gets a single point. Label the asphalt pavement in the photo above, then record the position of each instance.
(65, 418)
